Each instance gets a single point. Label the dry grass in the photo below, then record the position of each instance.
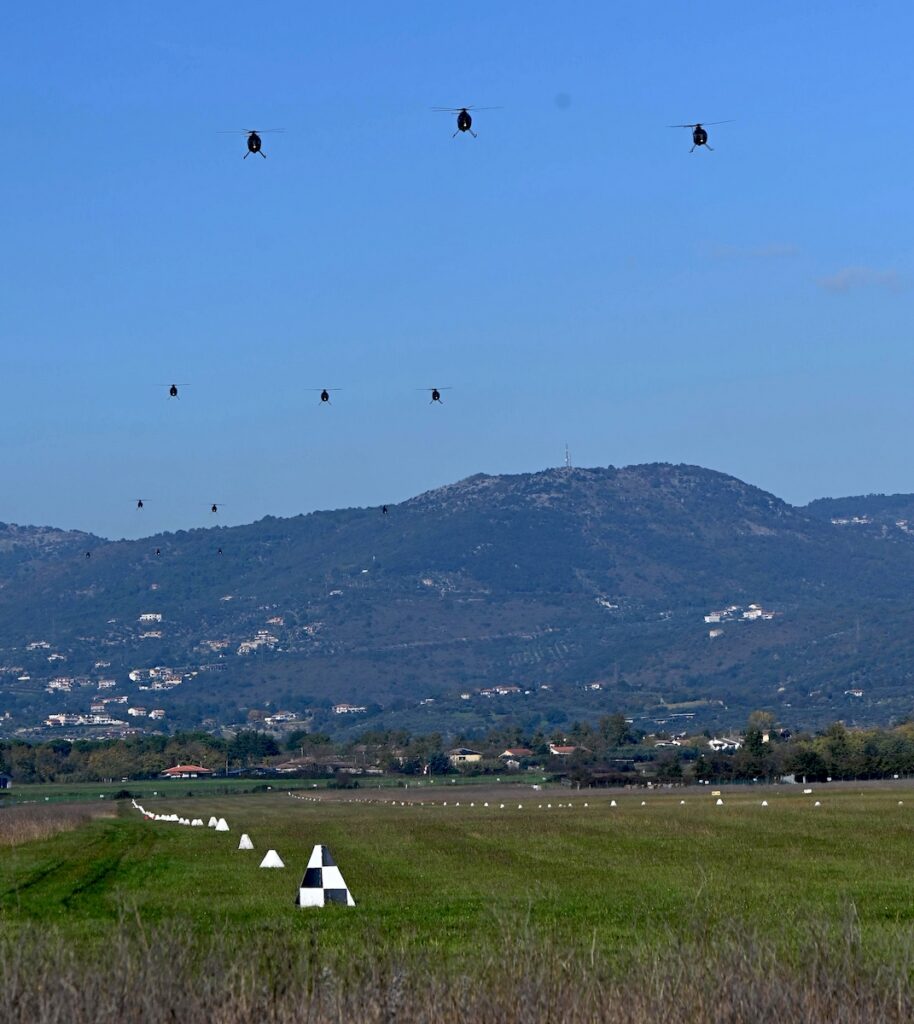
(24, 823)
(147, 978)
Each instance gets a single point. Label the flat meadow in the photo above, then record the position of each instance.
(609, 892)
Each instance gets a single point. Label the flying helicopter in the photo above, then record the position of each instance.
(325, 393)
(464, 121)
(384, 510)
(436, 394)
(139, 502)
(173, 389)
(699, 135)
(214, 507)
(253, 138)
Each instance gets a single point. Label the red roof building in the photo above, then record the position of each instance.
(563, 751)
(185, 771)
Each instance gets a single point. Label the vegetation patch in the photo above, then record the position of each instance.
(25, 823)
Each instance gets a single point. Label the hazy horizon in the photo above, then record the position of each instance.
(217, 520)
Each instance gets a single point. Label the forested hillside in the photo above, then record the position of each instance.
(589, 588)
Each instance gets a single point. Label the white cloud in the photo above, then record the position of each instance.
(847, 278)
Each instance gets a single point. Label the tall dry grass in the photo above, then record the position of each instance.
(151, 977)
(23, 823)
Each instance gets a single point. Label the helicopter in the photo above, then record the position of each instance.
(173, 389)
(436, 394)
(699, 135)
(214, 507)
(253, 138)
(464, 121)
(325, 393)
(139, 502)
(384, 510)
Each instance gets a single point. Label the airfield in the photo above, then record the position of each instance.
(433, 869)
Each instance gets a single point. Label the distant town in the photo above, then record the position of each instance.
(110, 703)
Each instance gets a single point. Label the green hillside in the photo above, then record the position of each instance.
(558, 579)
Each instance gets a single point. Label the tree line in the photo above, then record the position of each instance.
(607, 752)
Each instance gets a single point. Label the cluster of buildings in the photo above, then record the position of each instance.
(263, 638)
(97, 718)
(511, 757)
(495, 691)
(66, 684)
(158, 678)
(736, 613)
(280, 718)
(141, 712)
(148, 619)
(99, 705)
(83, 720)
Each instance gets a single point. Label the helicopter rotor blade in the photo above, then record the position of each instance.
(701, 124)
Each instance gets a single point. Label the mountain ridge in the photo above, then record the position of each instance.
(549, 581)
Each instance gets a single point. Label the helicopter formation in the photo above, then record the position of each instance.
(141, 503)
(323, 398)
(465, 125)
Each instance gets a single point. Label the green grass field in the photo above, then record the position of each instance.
(454, 880)
(173, 789)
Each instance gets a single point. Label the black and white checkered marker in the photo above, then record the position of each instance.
(323, 883)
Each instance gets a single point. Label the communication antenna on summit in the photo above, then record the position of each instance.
(567, 457)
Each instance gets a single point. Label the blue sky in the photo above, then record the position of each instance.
(574, 274)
